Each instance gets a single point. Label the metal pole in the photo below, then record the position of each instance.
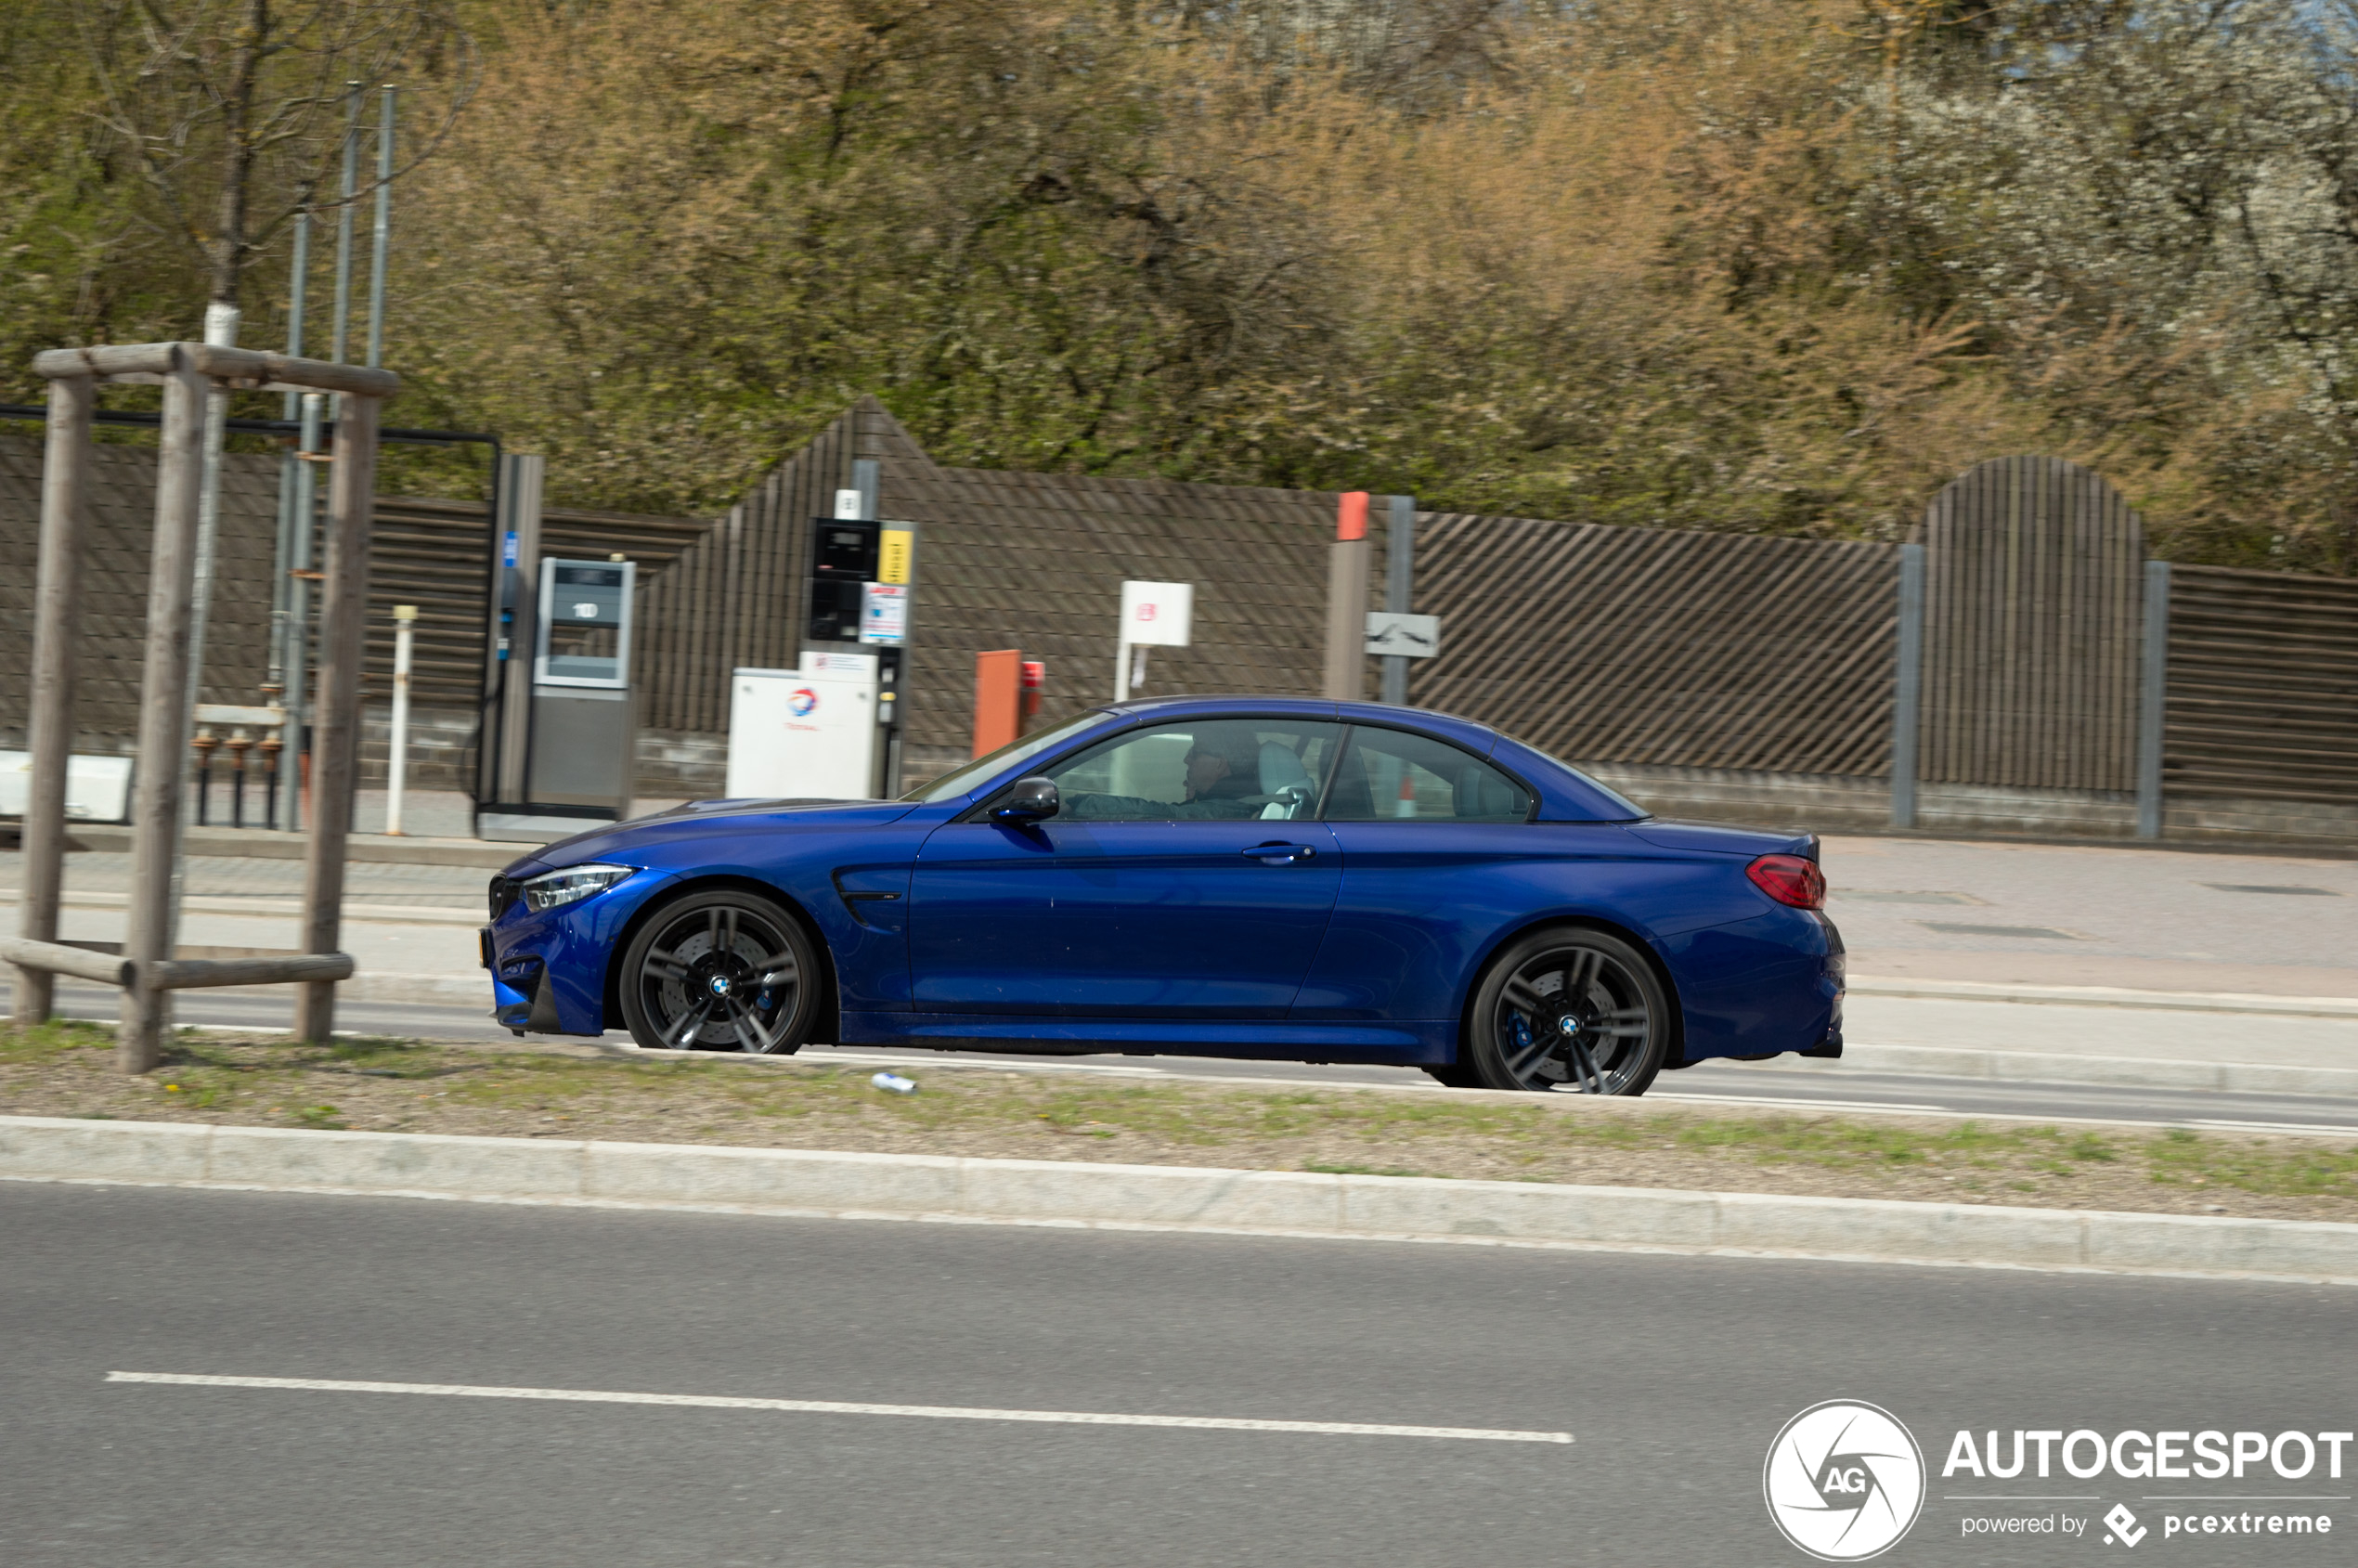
(405, 621)
(163, 710)
(342, 641)
(220, 332)
(65, 500)
(866, 473)
(381, 241)
(1907, 697)
(495, 638)
(2153, 699)
(343, 225)
(1400, 576)
(526, 473)
(290, 466)
(298, 692)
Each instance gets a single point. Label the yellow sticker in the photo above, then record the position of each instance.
(895, 549)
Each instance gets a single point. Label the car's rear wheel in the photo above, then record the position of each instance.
(723, 970)
(1568, 1011)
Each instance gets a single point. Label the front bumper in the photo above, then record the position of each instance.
(548, 968)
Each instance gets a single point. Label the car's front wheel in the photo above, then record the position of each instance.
(1567, 1011)
(723, 970)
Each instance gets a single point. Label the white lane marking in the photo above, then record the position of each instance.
(1806, 1105)
(845, 1407)
(2344, 1128)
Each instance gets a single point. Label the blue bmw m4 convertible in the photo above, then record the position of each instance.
(1216, 876)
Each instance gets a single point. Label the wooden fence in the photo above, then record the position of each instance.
(2033, 568)
(1661, 647)
(1641, 646)
(2263, 686)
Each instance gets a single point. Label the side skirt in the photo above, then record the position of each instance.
(1385, 1044)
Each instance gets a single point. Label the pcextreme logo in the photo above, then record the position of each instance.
(1845, 1480)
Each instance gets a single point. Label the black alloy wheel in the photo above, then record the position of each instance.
(1568, 1011)
(720, 971)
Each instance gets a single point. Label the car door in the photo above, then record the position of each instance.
(1439, 853)
(1186, 875)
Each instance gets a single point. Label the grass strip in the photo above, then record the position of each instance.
(63, 1069)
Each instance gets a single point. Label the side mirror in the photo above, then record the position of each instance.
(1031, 800)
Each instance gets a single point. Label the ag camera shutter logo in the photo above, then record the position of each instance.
(1844, 1480)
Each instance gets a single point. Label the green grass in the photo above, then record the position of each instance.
(290, 1083)
(2181, 1158)
(45, 1043)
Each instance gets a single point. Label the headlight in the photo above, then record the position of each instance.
(571, 885)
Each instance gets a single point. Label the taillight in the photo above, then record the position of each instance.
(1789, 879)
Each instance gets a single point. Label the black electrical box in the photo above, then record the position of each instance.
(843, 550)
(843, 561)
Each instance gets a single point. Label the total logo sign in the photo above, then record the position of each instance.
(1845, 1480)
(801, 701)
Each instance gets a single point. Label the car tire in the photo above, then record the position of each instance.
(722, 970)
(1567, 1010)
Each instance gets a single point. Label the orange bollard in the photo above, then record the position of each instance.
(998, 699)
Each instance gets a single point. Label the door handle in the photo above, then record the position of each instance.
(1280, 854)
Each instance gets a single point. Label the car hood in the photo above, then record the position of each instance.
(703, 818)
(1724, 838)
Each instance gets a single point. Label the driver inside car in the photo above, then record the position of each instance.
(1221, 781)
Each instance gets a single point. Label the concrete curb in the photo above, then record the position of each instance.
(2107, 997)
(2031, 1066)
(910, 1186)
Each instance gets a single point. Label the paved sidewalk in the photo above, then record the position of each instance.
(2052, 915)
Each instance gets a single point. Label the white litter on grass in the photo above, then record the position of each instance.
(893, 1084)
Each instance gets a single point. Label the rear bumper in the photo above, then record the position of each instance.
(1761, 987)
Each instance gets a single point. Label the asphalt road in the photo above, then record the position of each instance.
(1671, 1374)
(1730, 1083)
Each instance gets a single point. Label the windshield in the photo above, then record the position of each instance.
(959, 780)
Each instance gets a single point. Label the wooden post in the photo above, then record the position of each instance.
(65, 492)
(164, 707)
(1347, 601)
(336, 733)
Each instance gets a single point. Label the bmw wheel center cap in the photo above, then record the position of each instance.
(719, 985)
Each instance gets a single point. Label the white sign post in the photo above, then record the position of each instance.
(1153, 616)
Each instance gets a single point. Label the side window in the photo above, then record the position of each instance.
(1215, 769)
(1390, 774)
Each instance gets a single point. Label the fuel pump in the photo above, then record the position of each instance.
(560, 719)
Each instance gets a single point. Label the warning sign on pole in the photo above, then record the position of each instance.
(884, 615)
